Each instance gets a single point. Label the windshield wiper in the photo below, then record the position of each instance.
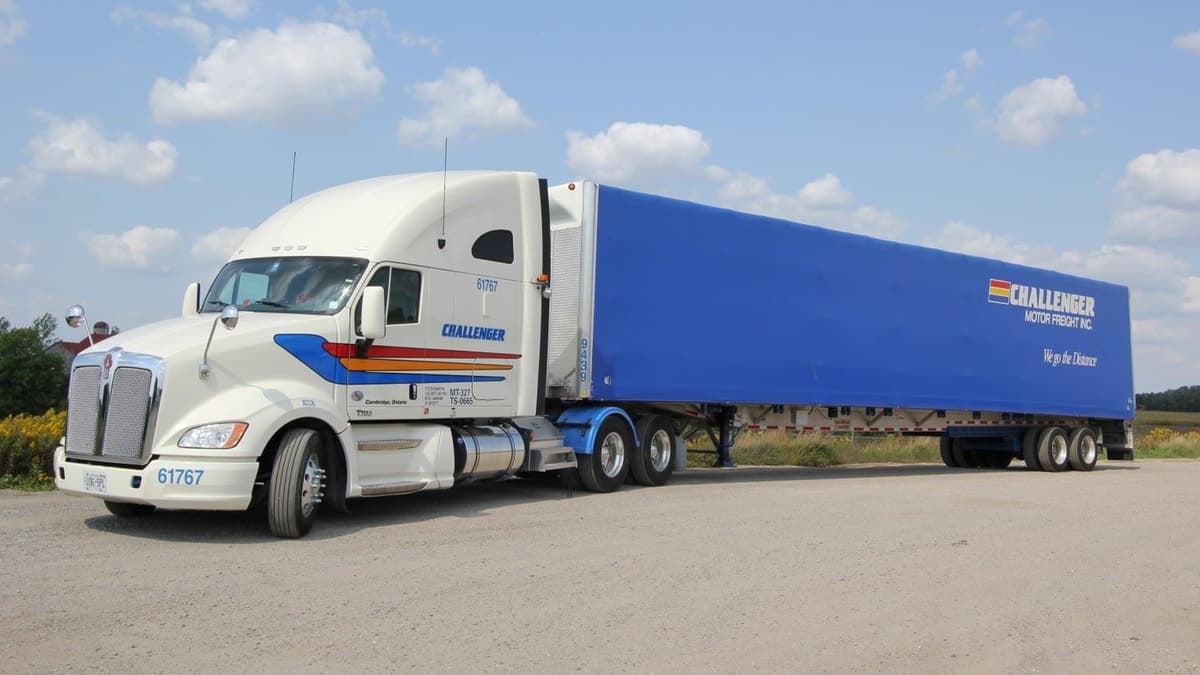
(272, 303)
(221, 303)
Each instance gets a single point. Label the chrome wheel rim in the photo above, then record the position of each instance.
(310, 486)
(1058, 450)
(660, 450)
(612, 454)
(1087, 449)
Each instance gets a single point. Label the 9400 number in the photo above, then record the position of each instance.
(180, 476)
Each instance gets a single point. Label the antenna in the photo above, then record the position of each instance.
(292, 189)
(445, 164)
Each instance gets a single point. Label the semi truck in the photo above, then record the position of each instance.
(425, 331)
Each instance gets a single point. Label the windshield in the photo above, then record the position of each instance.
(308, 285)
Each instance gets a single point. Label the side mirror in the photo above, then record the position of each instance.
(191, 299)
(229, 316)
(373, 319)
(75, 316)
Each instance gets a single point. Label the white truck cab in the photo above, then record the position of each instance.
(327, 357)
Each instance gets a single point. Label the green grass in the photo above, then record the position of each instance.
(776, 448)
(1167, 418)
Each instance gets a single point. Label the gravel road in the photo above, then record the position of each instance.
(875, 568)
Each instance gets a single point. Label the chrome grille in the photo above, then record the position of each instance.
(83, 409)
(112, 418)
(128, 403)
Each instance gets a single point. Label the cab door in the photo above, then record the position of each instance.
(384, 376)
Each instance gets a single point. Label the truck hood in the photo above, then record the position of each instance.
(172, 337)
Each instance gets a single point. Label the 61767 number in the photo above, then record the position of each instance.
(180, 476)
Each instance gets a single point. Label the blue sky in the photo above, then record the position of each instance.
(139, 141)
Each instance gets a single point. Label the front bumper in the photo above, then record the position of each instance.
(167, 482)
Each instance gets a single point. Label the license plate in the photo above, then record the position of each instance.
(95, 482)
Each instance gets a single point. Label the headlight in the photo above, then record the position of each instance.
(220, 436)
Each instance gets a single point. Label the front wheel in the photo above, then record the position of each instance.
(605, 469)
(297, 484)
(654, 461)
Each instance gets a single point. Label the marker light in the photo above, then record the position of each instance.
(221, 436)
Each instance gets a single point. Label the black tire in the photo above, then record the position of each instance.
(297, 484)
(127, 510)
(1052, 449)
(1029, 449)
(605, 469)
(947, 448)
(997, 460)
(1082, 450)
(965, 458)
(654, 459)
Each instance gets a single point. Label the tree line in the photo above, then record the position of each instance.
(1180, 399)
(32, 379)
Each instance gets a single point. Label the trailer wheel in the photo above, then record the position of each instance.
(997, 460)
(965, 458)
(297, 484)
(652, 463)
(1052, 449)
(1029, 450)
(1082, 450)
(127, 510)
(947, 448)
(605, 469)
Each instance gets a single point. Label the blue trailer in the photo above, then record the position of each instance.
(737, 321)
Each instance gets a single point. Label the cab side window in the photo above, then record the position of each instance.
(404, 297)
(496, 245)
(402, 288)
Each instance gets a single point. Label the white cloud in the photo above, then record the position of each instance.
(823, 201)
(230, 9)
(194, 29)
(1191, 295)
(1166, 177)
(12, 26)
(140, 248)
(375, 20)
(79, 146)
(952, 81)
(1160, 195)
(15, 271)
(1029, 33)
(951, 86)
(1031, 114)
(218, 245)
(462, 100)
(825, 192)
(971, 60)
(23, 185)
(629, 151)
(298, 72)
(1190, 42)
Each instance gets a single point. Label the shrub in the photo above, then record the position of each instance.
(27, 444)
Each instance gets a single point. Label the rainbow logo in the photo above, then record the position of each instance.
(999, 291)
(340, 363)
